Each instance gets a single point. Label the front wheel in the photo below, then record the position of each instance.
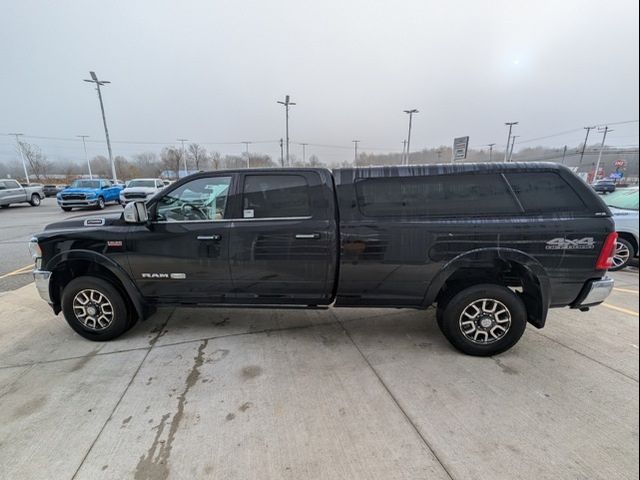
(484, 320)
(35, 200)
(622, 254)
(95, 309)
(100, 204)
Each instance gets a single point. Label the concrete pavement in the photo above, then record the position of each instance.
(341, 393)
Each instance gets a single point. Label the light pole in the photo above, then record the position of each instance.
(24, 164)
(101, 83)
(304, 153)
(491, 145)
(410, 112)
(246, 150)
(281, 154)
(404, 150)
(506, 150)
(604, 131)
(513, 142)
(86, 158)
(584, 146)
(287, 102)
(184, 155)
(355, 151)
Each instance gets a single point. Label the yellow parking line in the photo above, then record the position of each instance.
(625, 290)
(17, 272)
(620, 309)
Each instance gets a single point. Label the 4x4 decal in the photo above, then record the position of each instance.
(586, 243)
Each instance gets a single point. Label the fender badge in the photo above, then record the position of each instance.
(114, 243)
(94, 222)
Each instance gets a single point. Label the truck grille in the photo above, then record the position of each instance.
(73, 196)
(135, 195)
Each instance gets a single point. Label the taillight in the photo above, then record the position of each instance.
(605, 260)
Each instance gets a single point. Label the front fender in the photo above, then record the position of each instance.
(487, 258)
(106, 262)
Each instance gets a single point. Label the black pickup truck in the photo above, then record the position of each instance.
(494, 246)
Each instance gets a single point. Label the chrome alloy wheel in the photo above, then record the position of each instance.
(485, 321)
(93, 309)
(621, 255)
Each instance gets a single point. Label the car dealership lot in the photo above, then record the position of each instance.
(338, 393)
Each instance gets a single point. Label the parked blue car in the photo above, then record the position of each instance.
(94, 193)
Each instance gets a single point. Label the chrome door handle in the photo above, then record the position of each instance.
(209, 237)
(307, 236)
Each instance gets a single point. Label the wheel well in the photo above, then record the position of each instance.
(509, 274)
(67, 271)
(631, 239)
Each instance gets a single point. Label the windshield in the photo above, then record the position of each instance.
(142, 183)
(85, 184)
(625, 199)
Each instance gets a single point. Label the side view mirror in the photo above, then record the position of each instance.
(136, 212)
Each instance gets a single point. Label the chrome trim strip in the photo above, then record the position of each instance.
(234, 220)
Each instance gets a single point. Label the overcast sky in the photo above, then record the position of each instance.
(212, 71)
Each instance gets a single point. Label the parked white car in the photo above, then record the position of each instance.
(623, 203)
(140, 189)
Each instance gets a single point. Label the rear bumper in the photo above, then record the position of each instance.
(594, 293)
(42, 278)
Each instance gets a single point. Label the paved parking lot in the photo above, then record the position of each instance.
(237, 394)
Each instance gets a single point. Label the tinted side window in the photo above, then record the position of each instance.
(272, 196)
(544, 192)
(435, 195)
(11, 184)
(197, 200)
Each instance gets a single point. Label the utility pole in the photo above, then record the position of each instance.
(86, 158)
(287, 102)
(604, 131)
(564, 154)
(355, 151)
(513, 142)
(184, 155)
(439, 152)
(281, 154)
(584, 146)
(506, 150)
(410, 113)
(404, 150)
(491, 145)
(24, 164)
(304, 153)
(102, 83)
(246, 150)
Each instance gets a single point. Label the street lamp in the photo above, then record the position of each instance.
(506, 150)
(101, 83)
(410, 112)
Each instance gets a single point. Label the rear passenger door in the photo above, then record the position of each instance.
(283, 245)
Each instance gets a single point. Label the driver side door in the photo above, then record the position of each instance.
(182, 256)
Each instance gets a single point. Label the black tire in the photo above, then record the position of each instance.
(620, 260)
(450, 321)
(119, 319)
(66, 209)
(100, 204)
(35, 200)
(4, 206)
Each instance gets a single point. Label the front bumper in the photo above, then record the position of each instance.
(594, 292)
(90, 202)
(42, 278)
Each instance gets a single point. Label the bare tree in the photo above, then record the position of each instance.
(37, 161)
(147, 164)
(216, 160)
(171, 158)
(100, 166)
(198, 155)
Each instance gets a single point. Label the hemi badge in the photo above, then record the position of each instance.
(114, 243)
(94, 222)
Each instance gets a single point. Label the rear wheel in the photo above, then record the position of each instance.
(622, 254)
(483, 320)
(35, 200)
(95, 309)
